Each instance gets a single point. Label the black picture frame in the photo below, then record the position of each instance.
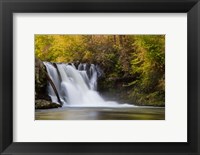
(8, 7)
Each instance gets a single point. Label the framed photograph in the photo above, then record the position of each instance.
(99, 77)
(103, 77)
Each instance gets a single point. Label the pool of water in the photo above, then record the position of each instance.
(101, 113)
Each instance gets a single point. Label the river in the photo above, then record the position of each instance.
(101, 113)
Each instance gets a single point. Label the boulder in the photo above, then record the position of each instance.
(40, 80)
(44, 104)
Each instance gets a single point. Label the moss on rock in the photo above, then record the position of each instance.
(44, 104)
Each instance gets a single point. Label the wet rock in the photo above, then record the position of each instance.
(44, 104)
(40, 80)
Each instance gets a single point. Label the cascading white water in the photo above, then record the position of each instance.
(52, 71)
(76, 87)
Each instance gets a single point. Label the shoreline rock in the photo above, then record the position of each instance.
(44, 104)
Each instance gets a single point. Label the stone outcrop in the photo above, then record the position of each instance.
(42, 100)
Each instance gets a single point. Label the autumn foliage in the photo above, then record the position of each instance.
(133, 65)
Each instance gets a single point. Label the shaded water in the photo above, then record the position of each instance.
(101, 113)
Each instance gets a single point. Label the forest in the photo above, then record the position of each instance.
(133, 66)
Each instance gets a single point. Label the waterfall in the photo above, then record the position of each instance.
(76, 86)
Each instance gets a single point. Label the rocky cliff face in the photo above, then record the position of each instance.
(42, 100)
(40, 80)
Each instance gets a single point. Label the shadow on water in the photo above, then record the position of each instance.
(101, 113)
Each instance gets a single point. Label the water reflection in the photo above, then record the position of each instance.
(76, 113)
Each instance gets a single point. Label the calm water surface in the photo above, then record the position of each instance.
(101, 113)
